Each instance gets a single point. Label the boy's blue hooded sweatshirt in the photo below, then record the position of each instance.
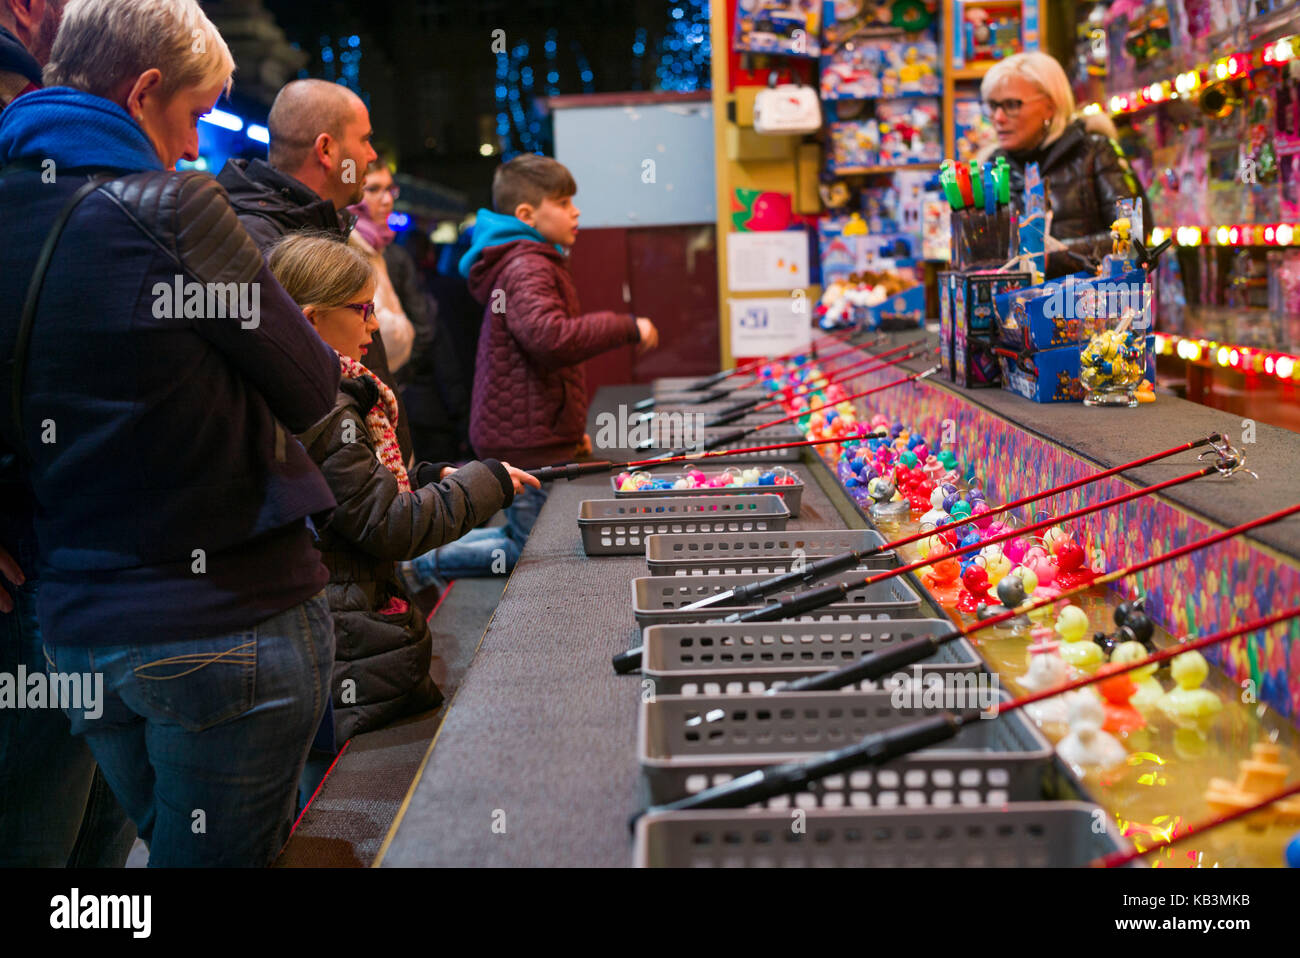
(496, 229)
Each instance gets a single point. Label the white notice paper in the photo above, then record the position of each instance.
(762, 261)
(769, 327)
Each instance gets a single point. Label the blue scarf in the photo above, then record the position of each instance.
(75, 130)
(497, 229)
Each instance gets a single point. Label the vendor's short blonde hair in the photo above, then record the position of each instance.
(1043, 72)
(101, 44)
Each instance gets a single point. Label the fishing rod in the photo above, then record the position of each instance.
(876, 665)
(725, 374)
(737, 434)
(853, 370)
(1116, 859)
(646, 404)
(787, 393)
(814, 599)
(743, 595)
(708, 450)
(881, 747)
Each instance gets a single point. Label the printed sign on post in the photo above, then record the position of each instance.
(763, 261)
(768, 327)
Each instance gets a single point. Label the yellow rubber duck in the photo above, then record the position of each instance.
(1149, 690)
(1076, 648)
(1188, 700)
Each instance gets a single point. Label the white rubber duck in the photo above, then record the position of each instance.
(1046, 670)
(1087, 747)
(936, 511)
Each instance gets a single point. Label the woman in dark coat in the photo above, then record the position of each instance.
(385, 513)
(1029, 101)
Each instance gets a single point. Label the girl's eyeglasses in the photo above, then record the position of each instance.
(375, 189)
(365, 309)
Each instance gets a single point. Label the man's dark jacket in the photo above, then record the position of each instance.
(271, 205)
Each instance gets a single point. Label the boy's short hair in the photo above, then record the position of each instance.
(530, 178)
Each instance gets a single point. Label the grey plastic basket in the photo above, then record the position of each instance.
(1027, 835)
(753, 553)
(620, 526)
(787, 432)
(726, 658)
(793, 495)
(658, 600)
(990, 761)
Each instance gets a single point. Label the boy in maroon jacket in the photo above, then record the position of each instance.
(530, 392)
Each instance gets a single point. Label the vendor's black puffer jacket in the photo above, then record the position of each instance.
(1086, 175)
(381, 662)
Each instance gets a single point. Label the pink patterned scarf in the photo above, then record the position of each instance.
(381, 421)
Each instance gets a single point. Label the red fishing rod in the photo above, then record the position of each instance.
(744, 595)
(813, 599)
(746, 367)
(647, 404)
(875, 665)
(788, 394)
(881, 747)
(708, 450)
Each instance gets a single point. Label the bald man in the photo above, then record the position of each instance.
(319, 151)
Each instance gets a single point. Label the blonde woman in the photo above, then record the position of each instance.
(386, 512)
(1027, 98)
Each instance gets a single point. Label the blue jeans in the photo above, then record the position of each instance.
(481, 552)
(56, 810)
(204, 740)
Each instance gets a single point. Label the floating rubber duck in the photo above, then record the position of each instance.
(1257, 777)
(1078, 651)
(975, 579)
(1046, 670)
(1011, 593)
(1117, 692)
(1134, 626)
(941, 579)
(998, 565)
(1087, 746)
(1149, 690)
(1188, 700)
(1071, 568)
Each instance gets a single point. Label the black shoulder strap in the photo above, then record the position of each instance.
(23, 339)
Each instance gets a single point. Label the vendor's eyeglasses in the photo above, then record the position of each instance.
(393, 190)
(365, 309)
(1011, 107)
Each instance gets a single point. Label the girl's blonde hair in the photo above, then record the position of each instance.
(1043, 72)
(319, 270)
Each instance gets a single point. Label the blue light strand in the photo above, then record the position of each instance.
(684, 50)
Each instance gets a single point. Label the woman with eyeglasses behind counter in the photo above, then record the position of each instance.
(1028, 99)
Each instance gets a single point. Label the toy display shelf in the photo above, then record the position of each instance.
(881, 170)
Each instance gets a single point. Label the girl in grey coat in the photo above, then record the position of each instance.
(385, 512)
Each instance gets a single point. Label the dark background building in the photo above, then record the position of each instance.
(455, 86)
